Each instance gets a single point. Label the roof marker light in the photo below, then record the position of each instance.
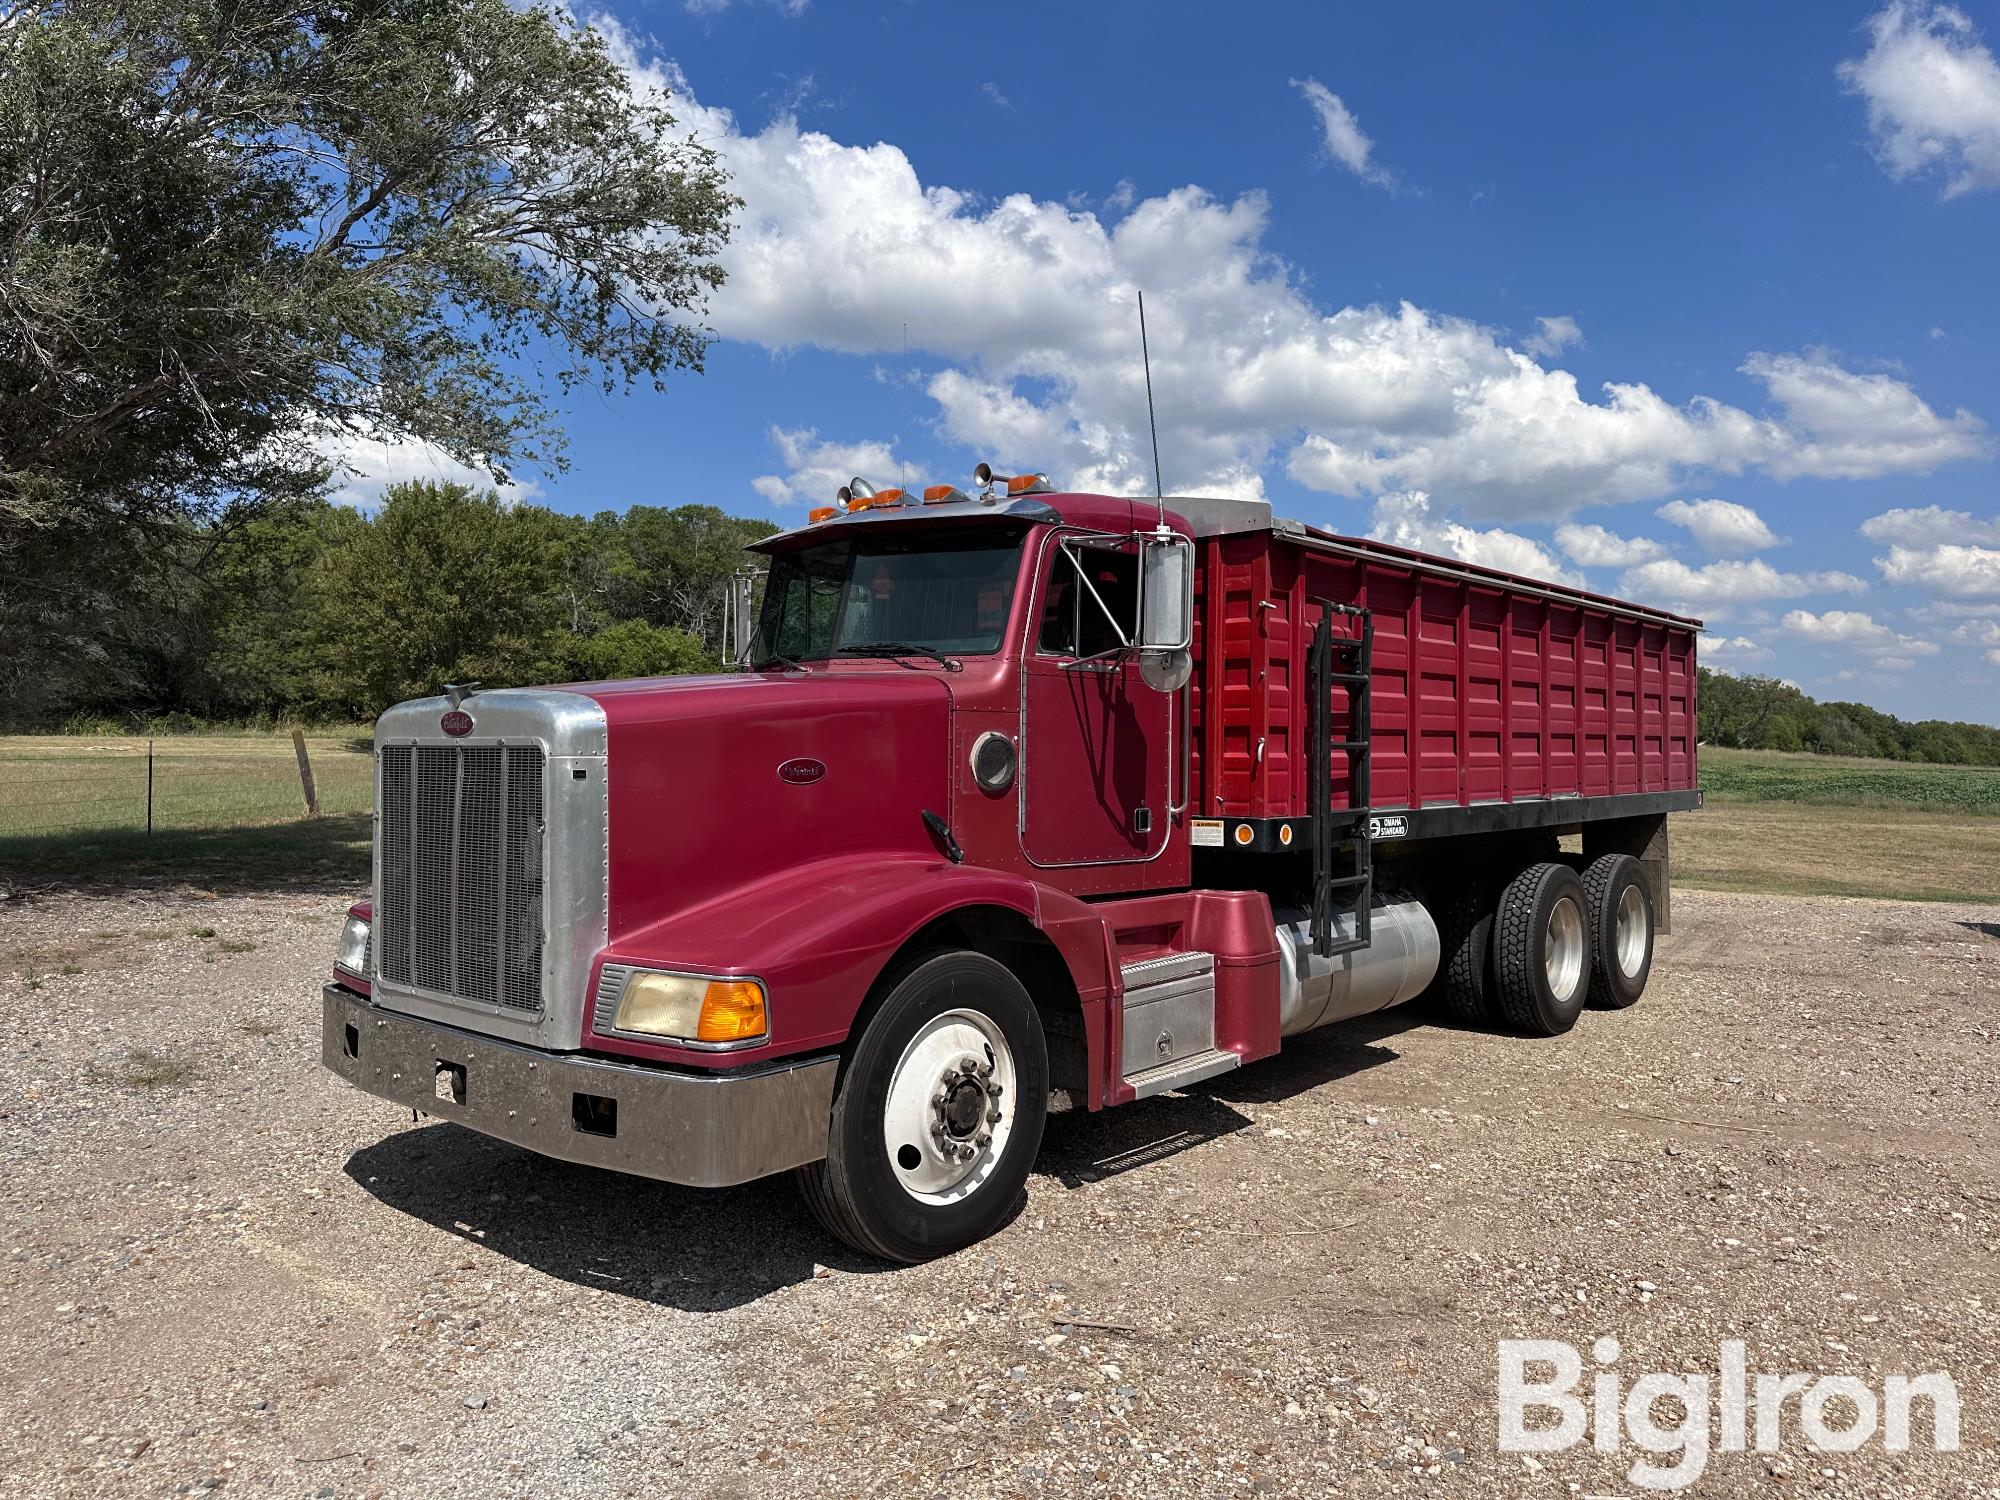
(943, 494)
(1017, 484)
(822, 513)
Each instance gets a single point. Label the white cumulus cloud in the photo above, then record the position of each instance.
(1949, 570)
(1406, 520)
(1855, 631)
(1720, 585)
(1729, 651)
(1341, 133)
(1556, 335)
(1928, 525)
(1720, 525)
(367, 465)
(1595, 547)
(815, 469)
(1933, 94)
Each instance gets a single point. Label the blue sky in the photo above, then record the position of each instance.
(1694, 305)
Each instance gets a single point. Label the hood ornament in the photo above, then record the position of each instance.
(458, 692)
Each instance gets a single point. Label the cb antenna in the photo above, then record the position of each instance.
(1146, 358)
(903, 407)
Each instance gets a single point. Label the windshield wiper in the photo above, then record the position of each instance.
(774, 659)
(901, 648)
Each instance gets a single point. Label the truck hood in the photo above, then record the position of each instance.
(718, 781)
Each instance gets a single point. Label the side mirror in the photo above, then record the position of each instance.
(1166, 612)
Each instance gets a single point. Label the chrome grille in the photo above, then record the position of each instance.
(459, 904)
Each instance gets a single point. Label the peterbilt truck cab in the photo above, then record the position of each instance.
(974, 824)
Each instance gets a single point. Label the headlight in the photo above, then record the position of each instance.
(692, 1008)
(351, 953)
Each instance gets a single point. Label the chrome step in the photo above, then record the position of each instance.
(1181, 1072)
(1170, 974)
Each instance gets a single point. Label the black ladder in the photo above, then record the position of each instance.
(1348, 827)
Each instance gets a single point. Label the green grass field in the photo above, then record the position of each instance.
(225, 809)
(228, 814)
(1838, 781)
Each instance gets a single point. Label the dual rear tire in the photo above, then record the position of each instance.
(1552, 940)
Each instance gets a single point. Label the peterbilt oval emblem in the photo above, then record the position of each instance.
(803, 771)
(456, 722)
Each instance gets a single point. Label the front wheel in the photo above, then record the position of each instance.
(938, 1114)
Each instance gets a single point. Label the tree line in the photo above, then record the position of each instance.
(1768, 713)
(311, 611)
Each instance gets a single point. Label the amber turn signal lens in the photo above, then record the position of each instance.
(731, 1011)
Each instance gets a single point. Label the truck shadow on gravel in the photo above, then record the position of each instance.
(1079, 1148)
(695, 1249)
(708, 1250)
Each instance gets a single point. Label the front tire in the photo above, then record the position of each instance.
(1620, 908)
(1541, 949)
(938, 1113)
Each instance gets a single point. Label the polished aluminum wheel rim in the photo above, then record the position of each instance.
(950, 1108)
(1562, 952)
(1633, 933)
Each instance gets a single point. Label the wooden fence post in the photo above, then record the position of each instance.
(305, 773)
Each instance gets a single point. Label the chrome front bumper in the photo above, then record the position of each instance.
(698, 1129)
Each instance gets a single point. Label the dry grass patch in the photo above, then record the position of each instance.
(147, 1069)
(1813, 850)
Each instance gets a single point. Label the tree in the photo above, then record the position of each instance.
(233, 230)
(670, 567)
(636, 648)
(449, 585)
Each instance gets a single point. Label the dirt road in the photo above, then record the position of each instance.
(219, 1269)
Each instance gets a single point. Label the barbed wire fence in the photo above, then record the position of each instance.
(51, 788)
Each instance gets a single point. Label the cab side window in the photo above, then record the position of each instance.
(1073, 623)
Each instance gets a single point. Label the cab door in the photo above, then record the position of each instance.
(1098, 741)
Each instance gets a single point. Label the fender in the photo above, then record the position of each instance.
(820, 934)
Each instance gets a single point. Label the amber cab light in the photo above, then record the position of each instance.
(943, 494)
(821, 513)
(1028, 484)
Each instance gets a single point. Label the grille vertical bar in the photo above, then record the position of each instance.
(459, 912)
(521, 952)
(391, 930)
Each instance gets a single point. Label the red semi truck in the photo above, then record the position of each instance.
(1021, 792)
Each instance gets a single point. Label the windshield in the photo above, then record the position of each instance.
(921, 592)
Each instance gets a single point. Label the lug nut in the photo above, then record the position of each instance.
(984, 1138)
(993, 1091)
(948, 1077)
(992, 1117)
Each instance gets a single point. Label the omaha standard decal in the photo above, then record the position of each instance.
(1391, 826)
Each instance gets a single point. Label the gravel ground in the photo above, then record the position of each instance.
(220, 1269)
